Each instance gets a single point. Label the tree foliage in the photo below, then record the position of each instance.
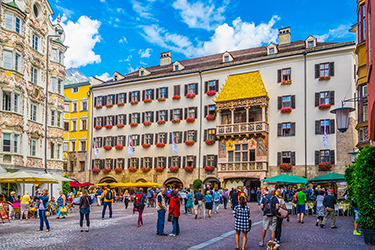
(197, 184)
(65, 186)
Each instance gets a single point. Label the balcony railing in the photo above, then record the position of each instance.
(238, 128)
(243, 166)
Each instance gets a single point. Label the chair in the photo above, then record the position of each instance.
(337, 212)
(290, 208)
(307, 209)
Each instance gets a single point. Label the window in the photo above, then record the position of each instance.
(362, 23)
(272, 51)
(163, 93)
(135, 96)
(84, 105)
(66, 108)
(212, 85)
(16, 99)
(211, 160)
(61, 57)
(134, 162)
(177, 137)
(53, 84)
(241, 153)
(230, 156)
(36, 10)
(226, 58)
(74, 125)
(52, 118)
(161, 162)
(162, 115)
(252, 155)
(121, 98)
(110, 99)
(121, 119)
(327, 122)
(33, 147)
(59, 119)
(286, 101)
(149, 94)
(365, 112)
(54, 55)
(163, 137)
(310, 44)
(148, 138)
(177, 114)
(190, 161)
(52, 150)
(99, 121)
(286, 129)
(108, 163)
(75, 105)
(15, 143)
(99, 143)
(33, 112)
(7, 59)
(6, 142)
(176, 89)
(325, 156)
(324, 97)
(191, 135)
(100, 100)
(66, 126)
(135, 117)
(191, 112)
(324, 70)
(34, 75)
(83, 145)
(191, 88)
(7, 101)
(75, 90)
(109, 141)
(8, 21)
(81, 166)
(211, 134)
(58, 151)
(66, 147)
(148, 116)
(17, 60)
(142, 73)
(286, 157)
(120, 163)
(110, 120)
(84, 124)
(35, 42)
(147, 162)
(286, 76)
(120, 140)
(135, 140)
(176, 67)
(175, 161)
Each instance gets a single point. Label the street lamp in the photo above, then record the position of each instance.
(342, 117)
(353, 155)
(59, 33)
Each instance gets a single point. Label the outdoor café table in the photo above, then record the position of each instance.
(345, 207)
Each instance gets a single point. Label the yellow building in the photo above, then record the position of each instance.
(77, 129)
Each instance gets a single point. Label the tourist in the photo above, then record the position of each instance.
(150, 195)
(356, 218)
(216, 197)
(126, 198)
(242, 222)
(279, 222)
(189, 200)
(242, 193)
(320, 209)
(139, 205)
(308, 192)
(234, 198)
(84, 209)
(329, 203)
(10, 202)
(259, 195)
(107, 195)
(70, 197)
(244, 189)
(198, 203)
(174, 208)
(25, 204)
(52, 205)
(42, 208)
(269, 205)
(252, 194)
(61, 202)
(99, 197)
(209, 200)
(301, 205)
(161, 209)
(225, 198)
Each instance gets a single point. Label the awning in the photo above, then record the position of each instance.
(286, 178)
(330, 177)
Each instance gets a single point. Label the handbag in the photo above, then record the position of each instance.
(48, 214)
(282, 213)
(171, 218)
(63, 210)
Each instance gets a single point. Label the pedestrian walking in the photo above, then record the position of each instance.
(259, 195)
(161, 209)
(61, 202)
(174, 208)
(216, 196)
(225, 198)
(356, 218)
(70, 197)
(126, 198)
(320, 209)
(269, 205)
(107, 197)
(99, 197)
(42, 208)
(139, 205)
(234, 198)
(25, 205)
(198, 203)
(242, 222)
(301, 205)
(84, 209)
(209, 203)
(279, 223)
(150, 195)
(329, 203)
(10, 201)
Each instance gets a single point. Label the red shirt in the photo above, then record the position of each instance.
(174, 206)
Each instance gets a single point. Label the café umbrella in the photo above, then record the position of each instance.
(286, 178)
(330, 177)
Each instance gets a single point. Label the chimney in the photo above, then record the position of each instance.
(284, 36)
(165, 58)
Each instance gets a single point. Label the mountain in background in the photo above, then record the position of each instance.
(74, 76)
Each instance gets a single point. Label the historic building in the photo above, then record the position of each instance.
(244, 114)
(25, 29)
(77, 130)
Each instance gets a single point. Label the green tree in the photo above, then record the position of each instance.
(65, 186)
(12, 187)
(197, 184)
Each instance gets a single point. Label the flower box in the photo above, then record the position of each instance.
(211, 92)
(107, 147)
(286, 82)
(174, 169)
(118, 170)
(324, 106)
(98, 106)
(109, 105)
(322, 78)
(147, 100)
(97, 127)
(159, 169)
(119, 147)
(107, 170)
(146, 145)
(210, 118)
(96, 170)
(190, 120)
(325, 166)
(120, 125)
(108, 126)
(146, 123)
(133, 124)
(161, 122)
(160, 144)
(209, 168)
(145, 169)
(120, 104)
(189, 143)
(133, 102)
(190, 95)
(162, 99)
(286, 110)
(210, 142)
(132, 169)
(176, 97)
(176, 121)
(286, 166)
(189, 169)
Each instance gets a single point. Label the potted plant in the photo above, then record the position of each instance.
(325, 166)
(107, 147)
(133, 102)
(145, 169)
(118, 170)
(211, 92)
(119, 147)
(189, 143)
(209, 168)
(133, 124)
(120, 125)
(209, 142)
(162, 99)
(176, 120)
(146, 145)
(190, 119)
(174, 169)
(286, 166)
(120, 104)
(160, 144)
(97, 127)
(176, 97)
(95, 170)
(286, 82)
(190, 95)
(286, 110)
(146, 123)
(160, 122)
(159, 169)
(324, 106)
(109, 105)
(210, 118)
(189, 169)
(322, 78)
(132, 169)
(107, 170)
(108, 126)
(98, 106)
(147, 100)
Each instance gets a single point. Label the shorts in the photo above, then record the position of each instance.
(199, 205)
(269, 222)
(25, 208)
(356, 214)
(209, 205)
(301, 208)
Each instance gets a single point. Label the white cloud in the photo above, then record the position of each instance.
(145, 53)
(199, 15)
(142, 9)
(123, 40)
(340, 32)
(103, 1)
(240, 35)
(105, 76)
(81, 38)
(68, 13)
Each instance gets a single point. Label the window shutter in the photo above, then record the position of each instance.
(186, 89)
(123, 140)
(317, 157)
(204, 160)
(194, 161)
(143, 116)
(293, 101)
(279, 158)
(279, 102)
(195, 135)
(156, 138)
(332, 125)
(138, 140)
(116, 119)
(279, 125)
(139, 118)
(152, 94)
(94, 121)
(171, 114)
(155, 162)
(179, 161)
(196, 88)
(130, 118)
(317, 127)
(130, 96)
(152, 139)
(129, 163)
(104, 120)
(95, 101)
(279, 75)
(157, 93)
(205, 135)
(166, 92)
(317, 70)
(293, 158)
(166, 138)
(217, 85)
(116, 101)
(169, 161)
(215, 161)
(205, 110)
(123, 164)
(143, 94)
(112, 163)
(143, 139)
(150, 161)
(178, 90)
(124, 100)
(104, 100)
(317, 101)
(124, 119)
(205, 87)
(196, 112)
(293, 129)
(92, 164)
(185, 115)
(166, 115)
(170, 138)
(102, 163)
(141, 162)
(332, 69)
(332, 156)
(104, 141)
(180, 137)
(137, 160)
(114, 140)
(332, 97)
(157, 116)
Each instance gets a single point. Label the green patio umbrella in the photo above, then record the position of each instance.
(286, 178)
(330, 177)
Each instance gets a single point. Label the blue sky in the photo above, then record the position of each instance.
(105, 36)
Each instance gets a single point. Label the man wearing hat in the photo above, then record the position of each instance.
(108, 196)
(10, 201)
(329, 203)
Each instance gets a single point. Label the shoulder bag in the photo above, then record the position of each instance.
(282, 213)
(171, 217)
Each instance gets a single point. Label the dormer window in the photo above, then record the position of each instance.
(226, 58)
(142, 73)
(176, 67)
(115, 78)
(272, 51)
(310, 44)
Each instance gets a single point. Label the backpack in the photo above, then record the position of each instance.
(168, 193)
(243, 195)
(295, 199)
(269, 208)
(109, 195)
(138, 201)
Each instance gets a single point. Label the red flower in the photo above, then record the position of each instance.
(176, 97)
(107, 170)
(96, 170)
(133, 102)
(160, 144)
(147, 100)
(211, 92)
(160, 122)
(133, 124)
(109, 105)
(97, 127)
(120, 125)
(286, 82)
(210, 142)
(286, 166)
(210, 117)
(325, 165)
(189, 169)
(190, 120)
(120, 104)
(98, 106)
(176, 120)
(146, 145)
(118, 170)
(161, 99)
(119, 147)
(209, 168)
(145, 169)
(324, 106)
(159, 169)
(189, 143)
(108, 126)
(107, 147)
(286, 110)
(190, 95)
(174, 169)
(146, 123)
(132, 169)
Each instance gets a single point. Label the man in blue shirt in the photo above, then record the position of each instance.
(259, 194)
(98, 196)
(150, 195)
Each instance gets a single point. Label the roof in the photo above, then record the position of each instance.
(59, 41)
(14, 5)
(66, 99)
(74, 85)
(242, 86)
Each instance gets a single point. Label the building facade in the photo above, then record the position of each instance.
(76, 129)
(247, 113)
(25, 28)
